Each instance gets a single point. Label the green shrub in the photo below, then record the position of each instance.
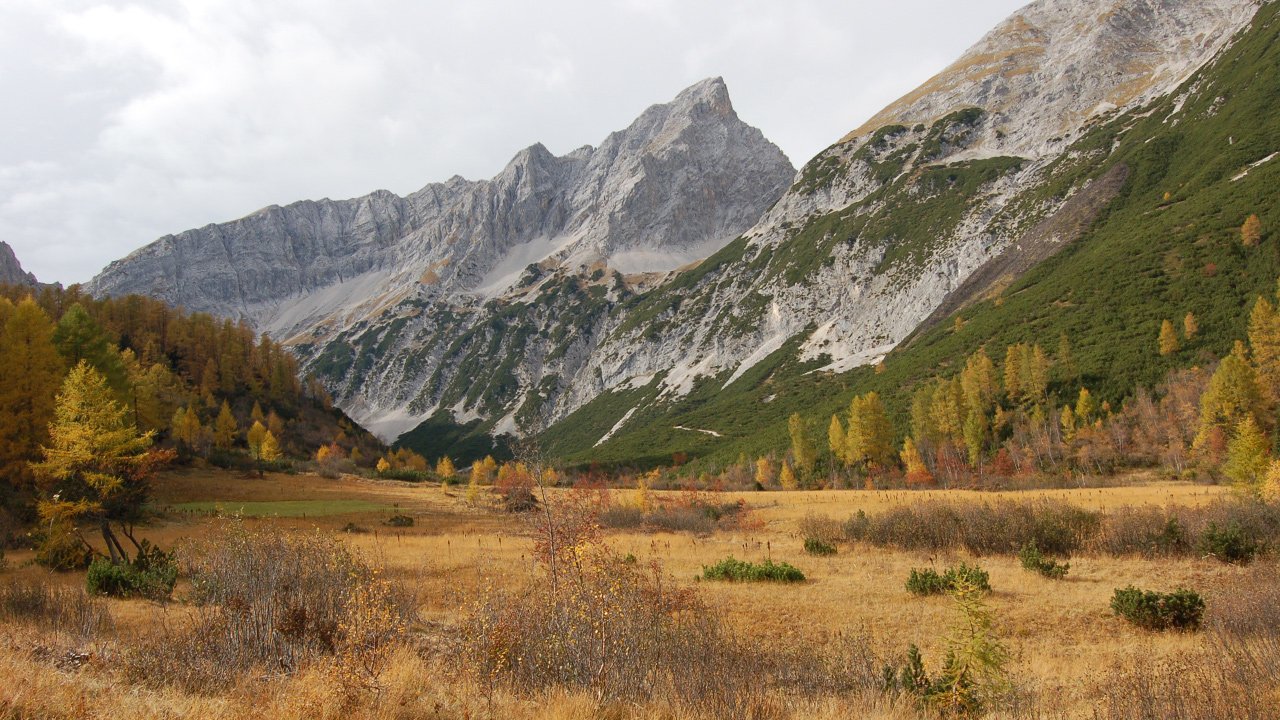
(1230, 544)
(1178, 610)
(816, 546)
(930, 582)
(741, 571)
(152, 574)
(1035, 561)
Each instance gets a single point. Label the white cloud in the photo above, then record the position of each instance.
(148, 117)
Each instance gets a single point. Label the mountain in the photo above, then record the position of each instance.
(475, 296)
(1019, 157)
(1136, 221)
(886, 226)
(11, 272)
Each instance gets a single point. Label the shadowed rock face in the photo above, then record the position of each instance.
(11, 272)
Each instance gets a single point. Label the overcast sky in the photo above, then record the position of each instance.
(125, 121)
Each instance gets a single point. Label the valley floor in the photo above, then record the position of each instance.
(1064, 640)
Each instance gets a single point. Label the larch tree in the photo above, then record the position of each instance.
(764, 471)
(256, 435)
(1232, 394)
(1251, 231)
(30, 374)
(1264, 346)
(1065, 361)
(96, 466)
(975, 436)
(1190, 327)
(1086, 407)
(870, 434)
(787, 477)
(803, 453)
(1013, 372)
(1168, 341)
(225, 428)
(269, 451)
(445, 469)
(1248, 456)
(837, 442)
(917, 471)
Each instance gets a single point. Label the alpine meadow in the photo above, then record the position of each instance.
(976, 414)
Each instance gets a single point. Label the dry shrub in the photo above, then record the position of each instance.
(1059, 528)
(1056, 527)
(60, 609)
(821, 528)
(1248, 605)
(271, 602)
(630, 635)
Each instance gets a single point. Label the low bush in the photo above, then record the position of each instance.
(1035, 561)
(1230, 544)
(1178, 610)
(734, 570)
(400, 521)
(267, 599)
(816, 546)
(151, 574)
(628, 635)
(930, 582)
(56, 608)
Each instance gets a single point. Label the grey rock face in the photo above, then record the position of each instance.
(11, 272)
(680, 182)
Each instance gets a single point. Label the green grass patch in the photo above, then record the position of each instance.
(281, 508)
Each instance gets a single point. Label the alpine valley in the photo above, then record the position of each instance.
(681, 288)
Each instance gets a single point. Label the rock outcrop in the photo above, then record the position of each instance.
(11, 272)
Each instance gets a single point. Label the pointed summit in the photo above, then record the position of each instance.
(11, 272)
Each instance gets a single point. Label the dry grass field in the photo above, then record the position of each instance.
(1066, 645)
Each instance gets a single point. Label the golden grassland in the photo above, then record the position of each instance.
(1062, 634)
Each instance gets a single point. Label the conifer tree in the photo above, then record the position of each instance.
(1013, 372)
(1232, 394)
(1065, 361)
(1247, 456)
(1264, 346)
(764, 471)
(78, 337)
(803, 453)
(978, 381)
(30, 375)
(445, 469)
(975, 436)
(1168, 342)
(1251, 231)
(95, 467)
(837, 441)
(1086, 407)
(270, 449)
(225, 428)
(1067, 419)
(917, 471)
(255, 437)
(1190, 327)
(384, 466)
(870, 434)
(1035, 374)
(787, 478)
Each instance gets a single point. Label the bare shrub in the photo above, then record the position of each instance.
(61, 609)
(1247, 605)
(1056, 527)
(820, 528)
(631, 635)
(272, 601)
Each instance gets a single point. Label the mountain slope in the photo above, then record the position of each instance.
(1176, 178)
(407, 305)
(886, 225)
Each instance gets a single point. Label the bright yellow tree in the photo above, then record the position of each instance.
(95, 466)
(787, 478)
(1251, 231)
(1168, 342)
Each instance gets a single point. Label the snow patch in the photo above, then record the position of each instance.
(712, 433)
(616, 426)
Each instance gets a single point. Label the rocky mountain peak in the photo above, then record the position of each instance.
(1053, 64)
(11, 272)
